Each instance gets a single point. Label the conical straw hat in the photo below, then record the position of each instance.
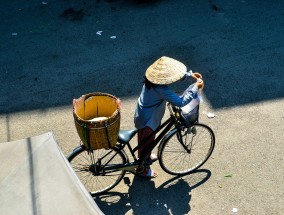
(165, 71)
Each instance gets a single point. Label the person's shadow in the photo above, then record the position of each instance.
(172, 197)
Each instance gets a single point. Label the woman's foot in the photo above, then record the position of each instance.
(149, 173)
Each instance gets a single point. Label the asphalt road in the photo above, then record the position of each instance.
(54, 51)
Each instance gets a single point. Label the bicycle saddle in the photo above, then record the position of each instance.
(125, 136)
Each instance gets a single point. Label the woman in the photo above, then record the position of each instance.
(155, 93)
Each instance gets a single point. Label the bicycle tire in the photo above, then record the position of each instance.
(94, 176)
(177, 158)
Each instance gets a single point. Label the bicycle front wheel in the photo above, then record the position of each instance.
(186, 149)
(97, 168)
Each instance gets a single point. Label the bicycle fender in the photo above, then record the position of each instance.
(74, 152)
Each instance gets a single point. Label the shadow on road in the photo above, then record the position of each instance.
(143, 196)
(58, 51)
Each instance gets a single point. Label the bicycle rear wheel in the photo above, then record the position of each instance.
(186, 149)
(97, 168)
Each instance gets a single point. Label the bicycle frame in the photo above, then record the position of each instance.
(164, 129)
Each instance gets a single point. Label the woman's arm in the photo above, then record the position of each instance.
(168, 95)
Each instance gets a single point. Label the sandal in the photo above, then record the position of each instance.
(149, 173)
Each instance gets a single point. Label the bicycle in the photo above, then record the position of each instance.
(182, 149)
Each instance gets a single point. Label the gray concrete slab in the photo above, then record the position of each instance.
(36, 178)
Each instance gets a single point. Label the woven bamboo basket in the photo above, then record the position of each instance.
(97, 120)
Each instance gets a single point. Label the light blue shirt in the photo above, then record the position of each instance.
(151, 104)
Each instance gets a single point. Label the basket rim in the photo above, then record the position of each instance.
(99, 94)
(88, 95)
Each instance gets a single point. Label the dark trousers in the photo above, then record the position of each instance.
(143, 134)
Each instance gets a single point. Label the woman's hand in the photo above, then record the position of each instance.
(196, 75)
(199, 83)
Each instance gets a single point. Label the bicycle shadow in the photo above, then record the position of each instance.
(171, 197)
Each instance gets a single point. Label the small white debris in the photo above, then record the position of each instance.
(99, 33)
(113, 37)
(44, 2)
(211, 115)
(14, 34)
(235, 210)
